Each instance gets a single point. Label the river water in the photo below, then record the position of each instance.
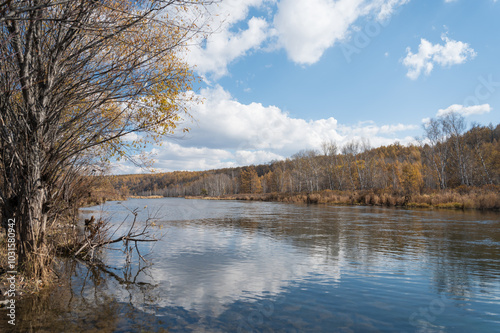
(240, 266)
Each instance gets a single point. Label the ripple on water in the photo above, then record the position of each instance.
(252, 266)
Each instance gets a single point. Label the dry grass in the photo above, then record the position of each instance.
(24, 285)
(145, 197)
(485, 198)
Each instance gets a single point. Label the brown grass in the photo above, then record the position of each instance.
(485, 198)
(145, 197)
(24, 285)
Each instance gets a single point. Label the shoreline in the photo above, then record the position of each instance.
(448, 199)
(144, 197)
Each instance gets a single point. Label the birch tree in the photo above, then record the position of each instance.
(438, 151)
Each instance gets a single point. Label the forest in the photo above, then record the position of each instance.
(462, 165)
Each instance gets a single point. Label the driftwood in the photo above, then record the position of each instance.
(96, 236)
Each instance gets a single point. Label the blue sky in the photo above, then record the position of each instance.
(280, 76)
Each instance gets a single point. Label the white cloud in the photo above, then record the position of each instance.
(306, 29)
(390, 129)
(224, 122)
(125, 168)
(225, 45)
(386, 8)
(248, 157)
(451, 53)
(377, 135)
(465, 110)
(173, 156)
(228, 133)
(130, 137)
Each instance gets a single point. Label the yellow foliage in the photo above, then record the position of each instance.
(411, 177)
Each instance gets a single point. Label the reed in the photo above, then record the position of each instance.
(483, 198)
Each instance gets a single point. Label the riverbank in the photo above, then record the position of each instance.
(487, 198)
(145, 197)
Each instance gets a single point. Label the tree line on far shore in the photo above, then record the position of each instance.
(448, 157)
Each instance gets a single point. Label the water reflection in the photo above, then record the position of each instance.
(245, 266)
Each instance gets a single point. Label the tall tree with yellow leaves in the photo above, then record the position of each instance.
(75, 78)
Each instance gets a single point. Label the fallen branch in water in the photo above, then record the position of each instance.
(96, 237)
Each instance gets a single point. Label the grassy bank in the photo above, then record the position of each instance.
(144, 197)
(486, 198)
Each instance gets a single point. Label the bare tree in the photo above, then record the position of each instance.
(438, 151)
(356, 166)
(454, 126)
(330, 150)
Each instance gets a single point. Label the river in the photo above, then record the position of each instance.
(242, 266)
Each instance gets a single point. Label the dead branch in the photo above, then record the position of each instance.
(96, 237)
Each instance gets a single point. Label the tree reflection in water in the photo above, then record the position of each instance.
(82, 302)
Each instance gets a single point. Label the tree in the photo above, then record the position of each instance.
(411, 178)
(437, 152)
(249, 181)
(330, 150)
(356, 166)
(75, 78)
(255, 182)
(454, 127)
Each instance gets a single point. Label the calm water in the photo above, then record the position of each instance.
(226, 266)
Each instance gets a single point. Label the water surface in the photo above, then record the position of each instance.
(271, 267)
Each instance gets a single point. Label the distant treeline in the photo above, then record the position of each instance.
(448, 157)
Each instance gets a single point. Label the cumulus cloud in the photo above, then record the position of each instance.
(228, 133)
(465, 110)
(224, 47)
(306, 29)
(212, 55)
(451, 53)
(224, 122)
(248, 157)
(174, 156)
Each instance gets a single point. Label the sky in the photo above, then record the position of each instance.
(281, 76)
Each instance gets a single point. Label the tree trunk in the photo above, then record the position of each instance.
(31, 215)
(30, 232)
